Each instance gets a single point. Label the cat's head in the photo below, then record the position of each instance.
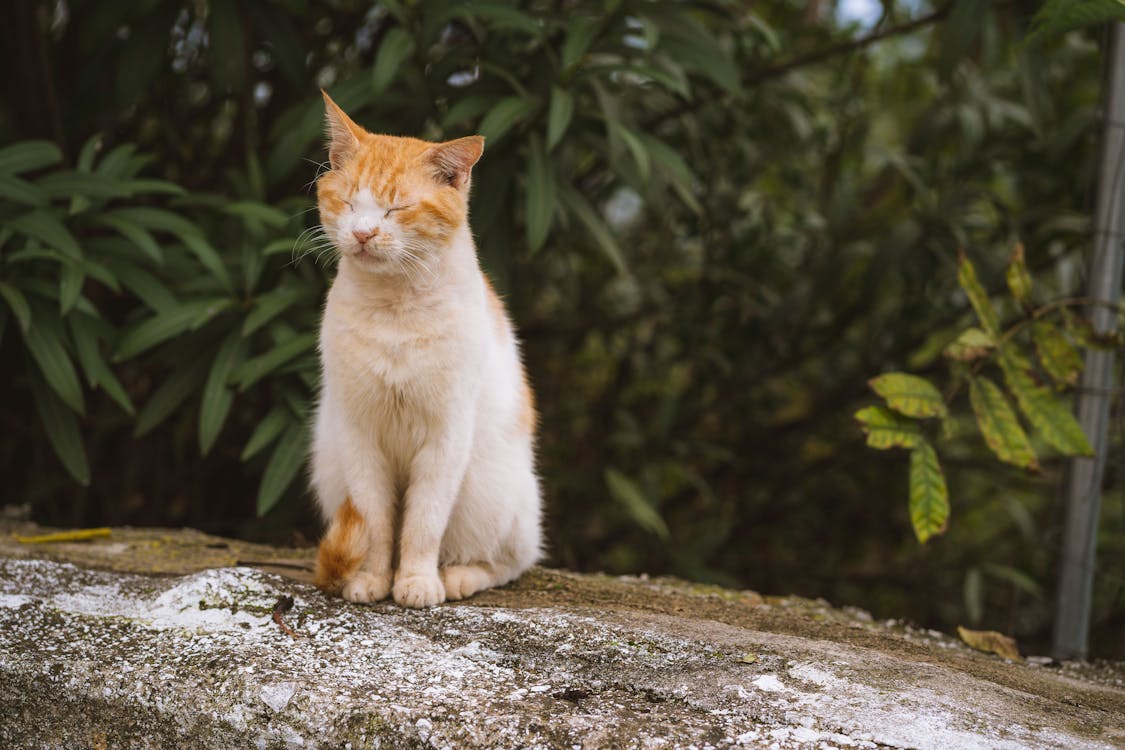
(389, 204)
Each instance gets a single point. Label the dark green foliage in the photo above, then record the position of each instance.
(713, 222)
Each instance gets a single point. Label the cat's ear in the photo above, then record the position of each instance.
(342, 133)
(453, 160)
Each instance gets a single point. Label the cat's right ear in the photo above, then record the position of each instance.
(342, 133)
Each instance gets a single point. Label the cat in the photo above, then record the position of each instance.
(423, 455)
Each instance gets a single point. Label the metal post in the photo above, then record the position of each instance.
(1076, 575)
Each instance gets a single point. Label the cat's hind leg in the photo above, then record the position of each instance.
(462, 581)
(520, 546)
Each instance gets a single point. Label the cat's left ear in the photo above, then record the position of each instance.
(342, 133)
(453, 160)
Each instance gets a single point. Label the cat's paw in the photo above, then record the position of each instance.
(365, 586)
(419, 591)
(463, 581)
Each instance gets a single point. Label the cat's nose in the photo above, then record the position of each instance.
(362, 235)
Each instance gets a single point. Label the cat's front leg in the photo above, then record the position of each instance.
(436, 474)
(371, 488)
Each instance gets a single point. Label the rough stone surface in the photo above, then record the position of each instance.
(92, 655)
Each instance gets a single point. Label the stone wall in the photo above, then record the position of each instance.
(161, 639)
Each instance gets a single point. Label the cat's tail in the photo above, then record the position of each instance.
(342, 549)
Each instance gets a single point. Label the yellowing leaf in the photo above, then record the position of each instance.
(973, 343)
(1084, 333)
(999, 425)
(909, 394)
(978, 298)
(929, 498)
(1019, 280)
(888, 429)
(1048, 414)
(1059, 357)
(990, 642)
(77, 535)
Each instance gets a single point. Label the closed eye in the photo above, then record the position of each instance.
(392, 209)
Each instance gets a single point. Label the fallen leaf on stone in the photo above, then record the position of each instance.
(990, 642)
(747, 659)
(77, 535)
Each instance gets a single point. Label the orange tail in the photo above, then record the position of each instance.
(342, 549)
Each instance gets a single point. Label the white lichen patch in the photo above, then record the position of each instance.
(164, 661)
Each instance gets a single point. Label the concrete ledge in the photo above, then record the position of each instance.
(107, 658)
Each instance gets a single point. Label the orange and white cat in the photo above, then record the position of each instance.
(423, 455)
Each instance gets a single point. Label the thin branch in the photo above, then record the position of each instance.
(819, 56)
(812, 58)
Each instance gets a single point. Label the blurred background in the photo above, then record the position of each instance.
(713, 223)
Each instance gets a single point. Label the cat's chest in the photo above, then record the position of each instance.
(398, 359)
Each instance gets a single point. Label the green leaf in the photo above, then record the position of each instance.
(254, 211)
(255, 369)
(621, 134)
(267, 431)
(502, 16)
(909, 394)
(45, 226)
(671, 164)
(986, 314)
(540, 196)
(147, 287)
(1060, 358)
(580, 34)
(227, 54)
(143, 55)
(117, 162)
(62, 431)
(577, 205)
(156, 219)
(504, 115)
(209, 257)
(136, 234)
(45, 340)
(1019, 280)
(93, 364)
(888, 429)
(269, 305)
(18, 304)
(68, 183)
(999, 425)
(625, 491)
(21, 191)
(217, 396)
(180, 383)
(168, 323)
(559, 112)
(395, 48)
(972, 344)
(70, 286)
(283, 467)
(1048, 414)
(150, 186)
(1060, 16)
(1016, 577)
(690, 44)
(28, 155)
(961, 28)
(88, 151)
(929, 498)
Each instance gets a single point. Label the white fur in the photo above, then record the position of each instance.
(418, 420)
